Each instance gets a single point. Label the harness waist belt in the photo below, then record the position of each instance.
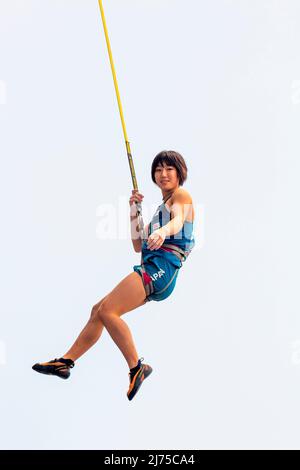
(181, 254)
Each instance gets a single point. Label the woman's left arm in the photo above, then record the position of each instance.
(179, 210)
(181, 203)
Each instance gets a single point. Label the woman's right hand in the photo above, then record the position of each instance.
(136, 196)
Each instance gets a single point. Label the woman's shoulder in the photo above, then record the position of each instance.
(183, 194)
(185, 198)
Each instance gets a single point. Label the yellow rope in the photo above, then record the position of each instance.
(130, 160)
(113, 69)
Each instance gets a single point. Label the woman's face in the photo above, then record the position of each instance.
(166, 177)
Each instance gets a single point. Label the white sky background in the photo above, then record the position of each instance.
(218, 81)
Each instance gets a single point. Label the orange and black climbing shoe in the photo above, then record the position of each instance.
(60, 367)
(136, 377)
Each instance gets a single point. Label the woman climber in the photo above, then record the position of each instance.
(170, 240)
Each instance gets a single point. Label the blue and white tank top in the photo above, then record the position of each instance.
(184, 239)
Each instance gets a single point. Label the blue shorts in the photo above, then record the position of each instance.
(159, 274)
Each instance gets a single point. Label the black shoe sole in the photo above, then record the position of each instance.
(45, 371)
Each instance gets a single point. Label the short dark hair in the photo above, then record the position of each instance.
(172, 158)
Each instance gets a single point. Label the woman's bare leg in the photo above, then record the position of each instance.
(88, 336)
(126, 296)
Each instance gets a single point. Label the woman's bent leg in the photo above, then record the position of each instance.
(88, 336)
(126, 296)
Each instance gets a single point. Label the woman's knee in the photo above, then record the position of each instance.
(96, 310)
(107, 308)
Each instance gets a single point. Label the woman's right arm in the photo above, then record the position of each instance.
(135, 235)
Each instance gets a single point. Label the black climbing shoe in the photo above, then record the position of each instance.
(137, 377)
(60, 367)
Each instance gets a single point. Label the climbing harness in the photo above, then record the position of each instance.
(147, 279)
